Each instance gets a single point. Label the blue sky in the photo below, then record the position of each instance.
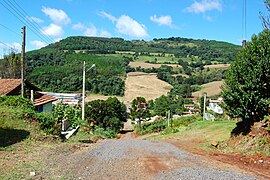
(48, 21)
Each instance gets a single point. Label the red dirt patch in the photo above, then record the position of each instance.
(257, 164)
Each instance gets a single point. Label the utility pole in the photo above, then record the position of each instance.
(22, 60)
(83, 91)
(204, 104)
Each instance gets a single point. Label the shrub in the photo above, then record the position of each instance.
(16, 101)
(185, 120)
(46, 122)
(105, 133)
(150, 127)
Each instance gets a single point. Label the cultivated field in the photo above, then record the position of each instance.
(148, 65)
(141, 84)
(144, 85)
(217, 66)
(212, 89)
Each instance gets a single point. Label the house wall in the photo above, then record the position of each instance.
(47, 107)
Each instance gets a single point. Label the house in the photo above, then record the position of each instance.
(189, 106)
(43, 103)
(12, 87)
(216, 101)
(65, 98)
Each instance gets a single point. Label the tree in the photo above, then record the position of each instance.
(247, 85)
(266, 19)
(139, 109)
(109, 114)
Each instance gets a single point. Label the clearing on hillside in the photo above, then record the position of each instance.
(218, 66)
(145, 85)
(149, 65)
(141, 84)
(212, 89)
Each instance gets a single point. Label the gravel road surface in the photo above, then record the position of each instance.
(139, 159)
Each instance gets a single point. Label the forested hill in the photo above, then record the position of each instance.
(180, 47)
(58, 67)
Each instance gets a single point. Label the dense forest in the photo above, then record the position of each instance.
(58, 67)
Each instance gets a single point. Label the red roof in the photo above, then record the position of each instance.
(8, 85)
(44, 99)
(13, 86)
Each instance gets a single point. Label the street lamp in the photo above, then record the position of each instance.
(83, 91)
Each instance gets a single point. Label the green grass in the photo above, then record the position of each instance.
(207, 131)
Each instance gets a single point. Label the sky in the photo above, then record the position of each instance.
(48, 21)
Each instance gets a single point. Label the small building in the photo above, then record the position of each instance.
(65, 98)
(43, 103)
(216, 101)
(189, 106)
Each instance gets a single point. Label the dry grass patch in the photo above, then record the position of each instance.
(218, 66)
(145, 85)
(92, 97)
(138, 84)
(149, 65)
(212, 89)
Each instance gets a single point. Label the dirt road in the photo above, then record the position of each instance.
(131, 158)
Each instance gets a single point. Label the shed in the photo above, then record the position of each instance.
(43, 102)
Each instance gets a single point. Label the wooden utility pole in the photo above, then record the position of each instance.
(22, 60)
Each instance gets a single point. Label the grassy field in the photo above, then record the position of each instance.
(218, 66)
(203, 132)
(149, 65)
(212, 89)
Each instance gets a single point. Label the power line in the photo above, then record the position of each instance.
(36, 25)
(10, 30)
(17, 13)
(6, 45)
(20, 17)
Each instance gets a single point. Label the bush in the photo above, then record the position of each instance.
(185, 120)
(16, 101)
(105, 133)
(150, 127)
(46, 122)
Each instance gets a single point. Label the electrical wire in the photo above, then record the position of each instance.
(10, 7)
(36, 25)
(11, 30)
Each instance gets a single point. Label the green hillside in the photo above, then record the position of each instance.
(58, 67)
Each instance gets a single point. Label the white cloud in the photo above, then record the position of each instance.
(104, 33)
(38, 44)
(79, 26)
(108, 16)
(34, 19)
(53, 30)
(203, 6)
(162, 20)
(13, 46)
(58, 16)
(126, 25)
(91, 31)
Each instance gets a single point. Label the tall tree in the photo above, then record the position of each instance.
(265, 18)
(247, 85)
